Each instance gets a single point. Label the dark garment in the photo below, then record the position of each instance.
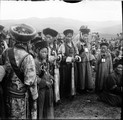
(112, 93)
(2, 109)
(66, 79)
(45, 99)
(85, 80)
(45, 103)
(103, 69)
(66, 75)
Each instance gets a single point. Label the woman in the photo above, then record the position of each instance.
(45, 82)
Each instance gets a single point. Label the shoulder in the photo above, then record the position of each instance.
(36, 61)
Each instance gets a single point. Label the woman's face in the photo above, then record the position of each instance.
(69, 37)
(43, 53)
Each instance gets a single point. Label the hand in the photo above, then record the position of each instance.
(48, 84)
(35, 104)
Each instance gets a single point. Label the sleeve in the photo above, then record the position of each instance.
(76, 39)
(61, 52)
(30, 78)
(51, 58)
(110, 64)
(92, 60)
(61, 49)
(97, 62)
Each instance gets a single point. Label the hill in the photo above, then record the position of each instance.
(60, 24)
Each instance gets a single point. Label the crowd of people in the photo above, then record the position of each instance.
(40, 69)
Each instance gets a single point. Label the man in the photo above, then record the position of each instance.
(82, 37)
(103, 67)
(53, 58)
(85, 81)
(68, 67)
(114, 86)
(20, 82)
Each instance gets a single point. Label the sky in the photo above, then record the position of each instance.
(83, 11)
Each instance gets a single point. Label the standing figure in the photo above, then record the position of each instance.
(68, 66)
(85, 71)
(45, 82)
(103, 68)
(53, 58)
(85, 80)
(20, 82)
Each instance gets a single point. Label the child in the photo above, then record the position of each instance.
(45, 81)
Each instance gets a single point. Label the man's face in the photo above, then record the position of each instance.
(49, 38)
(103, 48)
(43, 53)
(69, 37)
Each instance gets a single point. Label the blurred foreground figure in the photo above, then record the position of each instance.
(20, 82)
(114, 86)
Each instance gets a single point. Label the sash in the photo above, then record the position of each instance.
(16, 69)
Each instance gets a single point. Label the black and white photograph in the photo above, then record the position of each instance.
(61, 59)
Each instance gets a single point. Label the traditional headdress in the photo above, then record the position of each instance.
(67, 31)
(22, 32)
(51, 32)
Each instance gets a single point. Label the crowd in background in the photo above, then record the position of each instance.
(39, 69)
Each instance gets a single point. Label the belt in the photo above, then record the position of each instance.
(16, 94)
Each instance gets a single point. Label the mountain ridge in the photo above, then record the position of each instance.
(60, 24)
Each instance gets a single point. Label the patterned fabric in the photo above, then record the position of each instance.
(16, 102)
(16, 108)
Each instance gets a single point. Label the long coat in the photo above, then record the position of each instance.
(67, 78)
(103, 69)
(45, 99)
(85, 80)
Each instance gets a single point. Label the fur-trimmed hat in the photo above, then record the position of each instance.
(118, 62)
(36, 39)
(67, 31)
(84, 30)
(41, 44)
(22, 32)
(104, 44)
(51, 32)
